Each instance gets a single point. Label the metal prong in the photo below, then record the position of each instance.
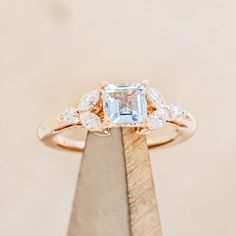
(105, 132)
(143, 130)
(146, 82)
(106, 124)
(104, 84)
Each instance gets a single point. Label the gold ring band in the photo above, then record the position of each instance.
(51, 133)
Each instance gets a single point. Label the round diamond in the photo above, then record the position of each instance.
(155, 98)
(176, 111)
(69, 115)
(157, 119)
(90, 121)
(89, 100)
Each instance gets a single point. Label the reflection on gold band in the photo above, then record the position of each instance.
(52, 131)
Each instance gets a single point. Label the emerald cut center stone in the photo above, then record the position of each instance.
(125, 103)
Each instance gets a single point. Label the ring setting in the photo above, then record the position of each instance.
(122, 105)
(134, 105)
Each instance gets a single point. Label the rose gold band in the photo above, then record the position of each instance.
(175, 131)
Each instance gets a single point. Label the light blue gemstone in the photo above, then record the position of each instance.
(125, 103)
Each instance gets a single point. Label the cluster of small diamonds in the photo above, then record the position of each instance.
(163, 112)
(84, 113)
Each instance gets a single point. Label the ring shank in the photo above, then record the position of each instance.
(52, 131)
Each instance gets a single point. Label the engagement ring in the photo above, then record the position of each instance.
(120, 105)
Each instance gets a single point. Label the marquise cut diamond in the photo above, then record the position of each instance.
(157, 119)
(155, 98)
(69, 115)
(89, 100)
(90, 121)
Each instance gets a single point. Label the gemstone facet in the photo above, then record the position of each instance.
(89, 100)
(90, 121)
(155, 98)
(176, 111)
(69, 115)
(125, 103)
(157, 119)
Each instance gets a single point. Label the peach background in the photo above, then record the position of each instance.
(52, 51)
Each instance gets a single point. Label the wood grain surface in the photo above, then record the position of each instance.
(144, 215)
(115, 194)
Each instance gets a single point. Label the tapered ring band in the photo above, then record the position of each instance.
(125, 105)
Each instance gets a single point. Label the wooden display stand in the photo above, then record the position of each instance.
(115, 193)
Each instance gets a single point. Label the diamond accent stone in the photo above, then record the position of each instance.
(90, 121)
(125, 103)
(70, 115)
(155, 98)
(157, 119)
(176, 111)
(89, 100)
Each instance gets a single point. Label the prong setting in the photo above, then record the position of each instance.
(104, 84)
(123, 105)
(146, 82)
